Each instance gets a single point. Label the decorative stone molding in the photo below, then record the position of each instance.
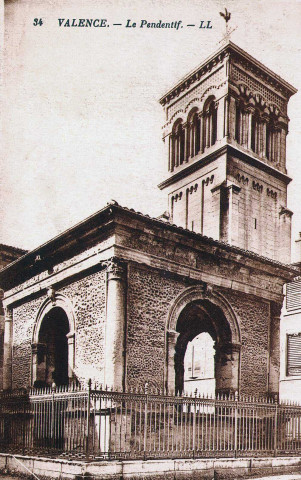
(257, 186)
(51, 295)
(60, 301)
(285, 211)
(8, 314)
(38, 349)
(192, 189)
(208, 180)
(178, 196)
(242, 179)
(203, 291)
(271, 193)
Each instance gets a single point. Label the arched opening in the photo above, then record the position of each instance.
(177, 144)
(52, 349)
(273, 136)
(202, 327)
(209, 123)
(193, 137)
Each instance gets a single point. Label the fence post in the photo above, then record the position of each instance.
(145, 420)
(88, 419)
(52, 416)
(24, 426)
(276, 427)
(194, 422)
(236, 424)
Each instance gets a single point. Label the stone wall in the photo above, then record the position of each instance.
(87, 296)
(150, 296)
(253, 316)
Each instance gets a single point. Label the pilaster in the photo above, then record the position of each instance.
(115, 323)
(172, 337)
(274, 367)
(7, 352)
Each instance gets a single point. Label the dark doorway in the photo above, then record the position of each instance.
(53, 335)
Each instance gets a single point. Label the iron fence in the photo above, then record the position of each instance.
(99, 424)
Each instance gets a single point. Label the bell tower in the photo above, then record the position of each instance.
(225, 135)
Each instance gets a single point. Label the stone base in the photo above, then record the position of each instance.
(177, 469)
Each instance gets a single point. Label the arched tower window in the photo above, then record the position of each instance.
(209, 123)
(193, 140)
(258, 140)
(178, 144)
(242, 125)
(272, 141)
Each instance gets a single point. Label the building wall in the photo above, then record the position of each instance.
(7, 255)
(150, 296)
(87, 296)
(261, 198)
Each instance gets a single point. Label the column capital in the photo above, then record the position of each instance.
(227, 348)
(172, 336)
(8, 314)
(70, 337)
(116, 268)
(276, 310)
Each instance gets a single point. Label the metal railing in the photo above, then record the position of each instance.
(99, 424)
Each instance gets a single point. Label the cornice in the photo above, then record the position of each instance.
(229, 50)
(225, 149)
(114, 214)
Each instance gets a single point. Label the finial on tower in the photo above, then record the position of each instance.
(226, 15)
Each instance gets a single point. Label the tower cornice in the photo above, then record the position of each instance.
(225, 149)
(233, 51)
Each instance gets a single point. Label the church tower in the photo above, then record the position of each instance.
(225, 132)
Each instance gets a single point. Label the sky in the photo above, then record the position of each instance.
(81, 121)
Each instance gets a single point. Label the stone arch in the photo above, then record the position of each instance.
(219, 320)
(57, 309)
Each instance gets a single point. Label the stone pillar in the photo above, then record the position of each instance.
(186, 129)
(71, 354)
(227, 367)
(274, 367)
(250, 113)
(233, 216)
(201, 132)
(220, 119)
(38, 351)
(232, 117)
(115, 324)
(7, 350)
(172, 337)
(263, 139)
(226, 116)
(170, 152)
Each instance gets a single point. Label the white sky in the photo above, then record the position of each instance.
(80, 112)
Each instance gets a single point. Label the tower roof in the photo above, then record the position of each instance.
(229, 49)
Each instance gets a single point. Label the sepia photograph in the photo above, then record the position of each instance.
(150, 242)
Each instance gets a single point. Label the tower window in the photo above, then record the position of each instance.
(209, 125)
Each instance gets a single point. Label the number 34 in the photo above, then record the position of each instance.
(37, 21)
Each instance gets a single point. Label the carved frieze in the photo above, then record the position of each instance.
(271, 193)
(208, 180)
(257, 186)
